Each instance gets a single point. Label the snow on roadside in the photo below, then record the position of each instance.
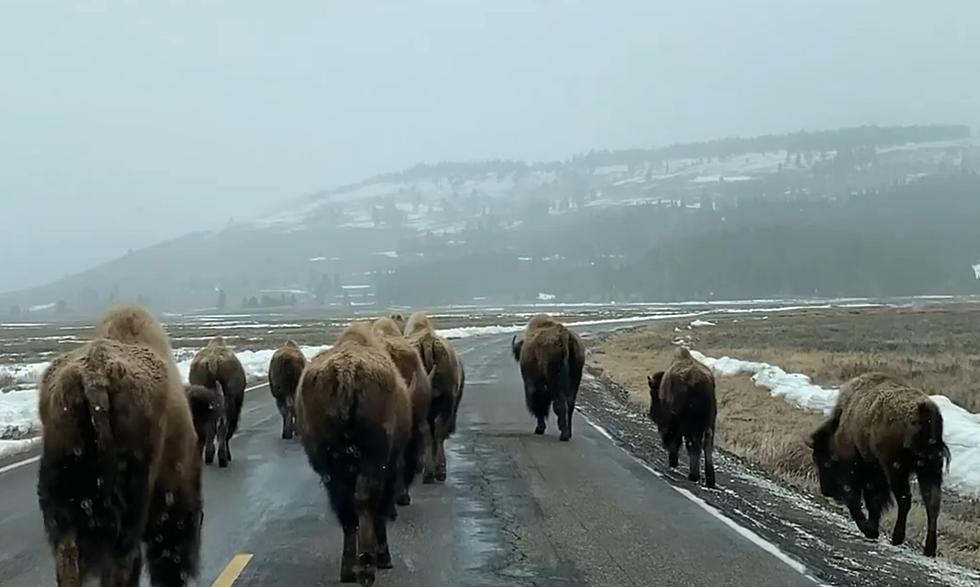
(961, 429)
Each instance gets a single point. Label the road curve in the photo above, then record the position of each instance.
(517, 509)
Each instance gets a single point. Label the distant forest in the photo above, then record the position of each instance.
(910, 239)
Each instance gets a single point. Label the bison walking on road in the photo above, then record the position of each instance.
(448, 380)
(410, 367)
(354, 416)
(207, 408)
(216, 367)
(684, 408)
(119, 461)
(879, 433)
(285, 369)
(551, 359)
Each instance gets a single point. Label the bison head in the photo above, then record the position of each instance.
(832, 473)
(516, 346)
(653, 381)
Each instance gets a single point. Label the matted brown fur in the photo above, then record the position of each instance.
(387, 326)
(285, 369)
(215, 365)
(879, 433)
(119, 461)
(354, 415)
(684, 407)
(448, 381)
(551, 359)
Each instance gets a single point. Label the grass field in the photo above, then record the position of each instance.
(937, 348)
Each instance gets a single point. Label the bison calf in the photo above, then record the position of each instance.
(285, 369)
(684, 408)
(354, 416)
(119, 462)
(207, 408)
(551, 359)
(880, 431)
(213, 366)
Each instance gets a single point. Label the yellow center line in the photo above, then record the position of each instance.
(232, 571)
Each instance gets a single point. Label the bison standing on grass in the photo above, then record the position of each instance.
(684, 408)
(880, 431)
(216, 367)
(119, 462)
(551, 359)
(448, 379)
(410, 366)
(285, 369)
(354, 415)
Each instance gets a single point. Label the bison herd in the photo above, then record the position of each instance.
(124, 440)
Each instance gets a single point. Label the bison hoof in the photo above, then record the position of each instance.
(539, 429)
(365, 572)
(384, 559)
(709, 482)
(565, 436)
(404, 499)
(870, 532)
(694, 477)
(898, 539)
(347, 575)
(287, 435)
(428, 479)
(440, 476)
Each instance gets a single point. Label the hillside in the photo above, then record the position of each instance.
(584, 228)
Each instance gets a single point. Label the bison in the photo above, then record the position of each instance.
(684, 408)
(119, 459)
(285, 369)
(410, 366)
(354, 416)
(207, 409)
(212, 366)
(448, 380)
(879, 432)
(551, 359)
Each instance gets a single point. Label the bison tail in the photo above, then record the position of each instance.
(928, 438)
(95, 388)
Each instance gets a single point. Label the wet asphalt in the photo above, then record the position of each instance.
(517, 509)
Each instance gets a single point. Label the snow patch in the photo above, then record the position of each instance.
(700, 323)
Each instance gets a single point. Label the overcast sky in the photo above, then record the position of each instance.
(122, 124)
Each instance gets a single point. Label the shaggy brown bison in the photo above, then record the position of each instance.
(448, 380)
(409, 364)
(684, 408)
(212, 366)
(119, 464)
(399, 321)
(880, 431)
(207, 408)
(285, 369)
(354, 416)
(551, 359)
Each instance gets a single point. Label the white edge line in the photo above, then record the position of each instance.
(740, 530)
(36, 458)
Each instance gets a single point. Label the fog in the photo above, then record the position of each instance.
(121, 125)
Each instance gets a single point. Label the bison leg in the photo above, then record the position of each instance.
(561, 411)
(124, 572)
(210, 434)
(288, 412)
(68, 570)
(694, 458)
(224, 452)
(349, 559)
(930, 484)
(365, 504)
(709, 458)
(442, 432)
(381, 531)
(430, 458)
(173, 537)
(899, 482)
(853, 501)
(673, 444)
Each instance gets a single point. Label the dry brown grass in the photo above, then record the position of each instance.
(936, 349)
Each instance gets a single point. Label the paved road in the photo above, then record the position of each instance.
(517, 509)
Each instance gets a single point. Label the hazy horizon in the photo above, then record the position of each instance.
(131, 125)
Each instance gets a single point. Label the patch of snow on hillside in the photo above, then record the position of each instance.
(18, 414)
(719, 178)
(961, 429)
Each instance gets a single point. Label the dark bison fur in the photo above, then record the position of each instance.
(879, 433)
(207, 408)
(354, 417)
(285, 369)
(684, 408)
(551, 359)
(119, 460)
(212, 366)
